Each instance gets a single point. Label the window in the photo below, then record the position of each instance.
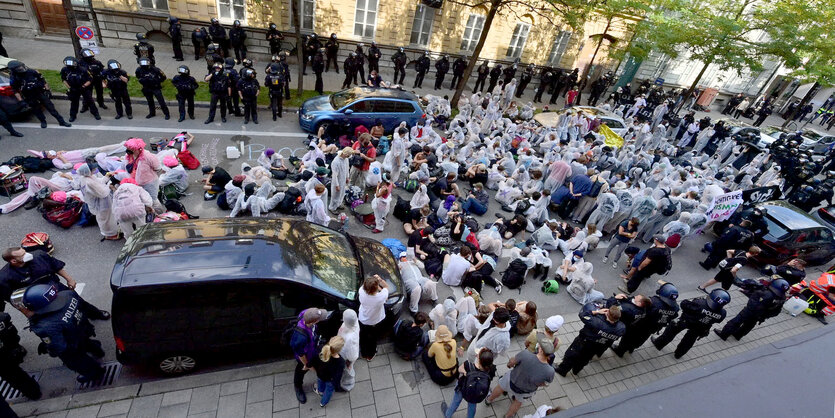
(361, 107)
(307, 16)
(228, 10)
(422, 25)
(517, 42)
(365, 18)
(384, 106)
(145, 4)
(559, 47)
(472, 32)
(404, 107)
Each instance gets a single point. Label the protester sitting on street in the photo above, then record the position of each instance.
(552, 325)
(409, 339)
(97, 195)
(494, 334)
(131, 203)
(581, 284)
(527, 317)
(440, 359)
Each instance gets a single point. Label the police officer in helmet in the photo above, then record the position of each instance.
(220, 90)
(143, 49)
(186, 85)
(94, 67)
(318, 66)
(233, 102)
(601, 327)
(213, 56)
(697, 316)
(198, 35)
(237, 38)
(218, 36)
(284, 71)
(176, 32)
(275, 83)
(249, 89)
(350, 69)
(151, 78)
(274, 37)
(763, 303)
(116, 79)
(78, 82)
(55, 316)
(663, 310)
(30, 86)
(374, 56)
(421, 66)
(399, 59)
(11, 356)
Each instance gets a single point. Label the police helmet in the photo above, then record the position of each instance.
(333, 36)
(249, 73)
(275, 58)
(816, 181)
(830, 173)
(211, 48)
(172, 19)
(401, 49)
(282, 55)
(144, 62)
(353, 54)
(718, 298)
(426, 53)
(779, 286)
(312, 36)
(230, 62)
(373, 43)
(446, 56)
(87, 53)
(320, 51)
(38, 298)
(70, 62)
(272, 26)
(274, 68)
(246, 62)
(236, 23)
(217, 66)
(808, 189)
(140, 37)
(16, 66)
(214, 21)
(668, 293)
(360, 45)
(793, 143)
(183, 69)
(113, 64)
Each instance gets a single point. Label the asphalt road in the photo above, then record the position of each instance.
(90, 261)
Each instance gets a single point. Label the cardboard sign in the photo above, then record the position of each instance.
(724, 205)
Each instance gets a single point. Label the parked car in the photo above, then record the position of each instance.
(186, 292)
(742, 130)
(817, 141)
(16, 109)
(613, 121)
(361, 106)
(794, 233)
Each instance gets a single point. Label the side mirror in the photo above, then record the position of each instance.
(348, 111)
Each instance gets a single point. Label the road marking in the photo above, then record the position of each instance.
(149, 129)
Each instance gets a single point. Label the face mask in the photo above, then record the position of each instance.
(28, 257)
(576, 259)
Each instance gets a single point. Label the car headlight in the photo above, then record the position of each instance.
(307, 116)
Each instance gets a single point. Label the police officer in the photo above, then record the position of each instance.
(275, 83)
(510, 71)
(494, 77)
(360, 61)
(421, 67)
(399, 59)
(246, 63)
(220, 90)
(697, 316)
(249, 89)
(458, 68)
(78, 80)
(374, 55)
(793, 272)
(284, 71)
(143, 49)
(11, 356)
(633, 311)
(526, 78)
(237, 37)
(186, 86)
(662, 310)
(441, 68)
(233, 101)
(274, 37)
(213, 56)
(218, 36)
(763, 303)
(601, 328)
(735, 237)
(30, 86)
(94, 67)
(350, 69)
(198, 35)
(482, 72)
(151, 78)
(65, 331)
(116, 79)
(175, 30)
(310, 47)
(318, 66)
(332, 50)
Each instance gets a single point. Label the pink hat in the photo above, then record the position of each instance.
(59, 196)
(170, 161)
(135, 143)
(75, 167)
(128, 180)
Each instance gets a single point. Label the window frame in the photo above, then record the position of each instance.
(515, 51)
(431, 14)
(558, 44)
(230, 20)
(312, 27)
(473, 41)
(364, 23)
(139, 3)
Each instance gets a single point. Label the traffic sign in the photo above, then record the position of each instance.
(90, 44)
(84, 32)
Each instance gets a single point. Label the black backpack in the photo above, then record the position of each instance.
(290, 201)
(402, 209)
(595, 188)
(671, 208)
(475, 386)
(514, 276)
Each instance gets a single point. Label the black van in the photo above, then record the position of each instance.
(189, 290)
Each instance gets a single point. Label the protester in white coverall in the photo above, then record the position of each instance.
(340, 168)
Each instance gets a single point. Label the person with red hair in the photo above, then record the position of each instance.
(143, 167)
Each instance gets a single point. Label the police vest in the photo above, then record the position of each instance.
(144, 50)
(75, 79)
(249, 88)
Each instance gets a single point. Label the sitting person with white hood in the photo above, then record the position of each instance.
(316, 212)
(130, 204)
(416, 286)
(581, 284)
(173, 175)
(494, 334)
(256, 202)
(95, 191)
(445, 314)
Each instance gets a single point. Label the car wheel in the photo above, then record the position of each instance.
(177, 364)
(325, 125)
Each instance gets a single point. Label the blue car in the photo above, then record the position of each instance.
(361, 106)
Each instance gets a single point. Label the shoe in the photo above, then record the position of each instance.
(246, 122)
(605, 259)
(274, 118)
(43, 124)
(64, 124)
(704, 266)
(719, 334)
(822, 320)
(223, 120)
(118, 117)
(652, 340)
(208, 121)
(614, 266)
(149, 116)
(181, 119)
(98, 117)
(130, 116)
(167, 117)
(83, 110)
(498, 290)
(443, 408)
(103, 315)
(701, 289)
(301, 396)
(376, 231)
(191, 117)
(255, 121)
(17, 134)
(72, 119)
(32, 203)
(102, 106)
(316, 390)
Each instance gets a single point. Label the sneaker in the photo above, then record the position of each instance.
(614, 266)
(316, 390)
(43, 124)
(605, 259)
(301, 396)
(498, 290)
(443, 408)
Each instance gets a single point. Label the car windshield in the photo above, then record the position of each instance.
(343, 98)
(330, 258)
(809, 134)
(614, 124)
(775, 230)
(772, 131)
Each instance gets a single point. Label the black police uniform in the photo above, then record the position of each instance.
(249, 88)
(284, 71)
(186, 85)
(350, 69)
(421, 67)
(11, 356)
(762, 304)
(725, 275)
(597, 335)
(509, 73)
(237, 37)
(482, 73)
(374, 55)
(495, 73)
(67, 334)
(318, 66)
(791, 274)
(735, 237)
(175, 30)
(95, 68)
(696, 317)
(560, 80)
(118, 91)
(332, 50)
(399, 59)
(42, 269)
(197, 38)
(310, 47)
(32, 88)
(274, 37)
(275, 83)
(218, 35)
(631, 316)
(233, 103)
(212, 57)
(219, 88)
(76, 78)
(524, 80)
(151, 79)
(570, 81)
(458, 68)
(659, 315)
(360, 64)
(441, 68)
(143, 49)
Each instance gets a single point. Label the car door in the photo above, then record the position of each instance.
(819, 246)
(406, 111)
(229, 316)
(286, 300)
(385, 111)
(823, 144)
(361, 113)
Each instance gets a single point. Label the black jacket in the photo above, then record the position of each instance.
(186, 85)
(597, 329)
(151, 78)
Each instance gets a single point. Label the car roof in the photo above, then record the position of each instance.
(362, 92)
(4, 62)
(736, 123)
(550, 118)
(789, 215)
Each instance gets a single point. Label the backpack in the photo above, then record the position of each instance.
(670, 209)
(169, 191)
(37, 241)
(475, 386)
(522, 206)
(551, 286)
(402, 209)
(189, 161)
(595, 188)
(290, 201)
(65, 215)
(288, 332)
(411, 185)
(514, 276)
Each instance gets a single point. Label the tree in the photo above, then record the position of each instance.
(571, 12)
(299, 46)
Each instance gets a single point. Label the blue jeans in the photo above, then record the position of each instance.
(456, 400)
(326, 389)
(472, 205)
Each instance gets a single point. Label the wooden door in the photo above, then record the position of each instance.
(51, 16)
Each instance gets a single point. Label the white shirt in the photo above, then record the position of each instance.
(372, 307)
(455, 270)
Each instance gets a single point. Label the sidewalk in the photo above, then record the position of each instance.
(390, 386)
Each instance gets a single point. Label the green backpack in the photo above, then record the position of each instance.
(551, 286)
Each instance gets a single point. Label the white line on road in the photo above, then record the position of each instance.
(166, 130)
